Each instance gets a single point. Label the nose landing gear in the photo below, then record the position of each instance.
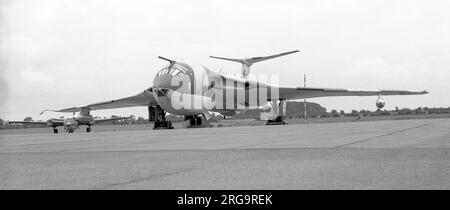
(55, 130)
(158, 115)
(88, 129)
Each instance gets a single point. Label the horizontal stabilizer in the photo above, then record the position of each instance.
(250, 61)
(247, 62)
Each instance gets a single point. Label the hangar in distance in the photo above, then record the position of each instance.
(195, 91)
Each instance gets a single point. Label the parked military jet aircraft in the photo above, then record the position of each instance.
(195, 91)
(71, 124)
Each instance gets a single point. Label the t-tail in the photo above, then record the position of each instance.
(248, 62)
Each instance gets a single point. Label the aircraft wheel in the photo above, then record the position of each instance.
(192, 121)
(88, 129)
(55, 130)
(199, 120)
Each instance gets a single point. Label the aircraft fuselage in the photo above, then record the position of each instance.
(184, 90)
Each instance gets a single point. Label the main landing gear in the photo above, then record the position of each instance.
(196, 122)
(280, 110)
(279, 120)
(158, 115)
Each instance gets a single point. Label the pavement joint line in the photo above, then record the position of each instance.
(143, 179)
(383, 135)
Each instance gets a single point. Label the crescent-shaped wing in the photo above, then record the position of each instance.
(144, 98)
(305, 92)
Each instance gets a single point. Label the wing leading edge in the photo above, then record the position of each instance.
(28, 122)
(142, 99)
(305, 92)
(50, 122)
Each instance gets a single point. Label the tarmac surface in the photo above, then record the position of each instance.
(395, 154)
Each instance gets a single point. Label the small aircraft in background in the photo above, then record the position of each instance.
(72, 123)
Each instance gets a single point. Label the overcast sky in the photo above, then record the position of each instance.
(58, 54)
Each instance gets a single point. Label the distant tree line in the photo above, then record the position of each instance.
(294, 110)
(314, 110)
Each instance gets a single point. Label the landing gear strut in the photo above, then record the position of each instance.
(88, 129)
(55, 130)
(158, 115)
(280, 110)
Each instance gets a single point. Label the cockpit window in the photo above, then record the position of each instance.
(174, 70)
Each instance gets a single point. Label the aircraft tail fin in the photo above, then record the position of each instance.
(248, 62)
